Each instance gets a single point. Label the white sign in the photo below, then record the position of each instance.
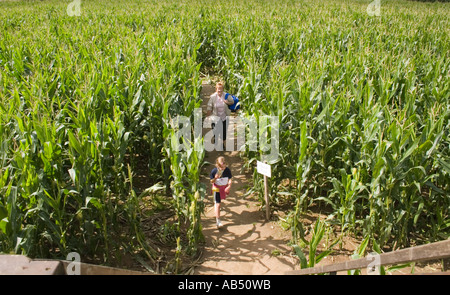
(263, 169)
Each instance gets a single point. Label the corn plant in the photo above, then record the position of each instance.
(362, 98)
(362, 105)
(318, 232)
(79, 113)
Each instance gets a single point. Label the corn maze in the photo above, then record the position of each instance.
(87, 101)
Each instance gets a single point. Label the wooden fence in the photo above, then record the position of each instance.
(22, 265)
(438, 250)
(18, 264)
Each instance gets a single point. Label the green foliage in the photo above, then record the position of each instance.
(362, 103)
(363, 109)
(83, 103)
(319, 230)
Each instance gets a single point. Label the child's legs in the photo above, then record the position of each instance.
(217, 204)
(217, 210)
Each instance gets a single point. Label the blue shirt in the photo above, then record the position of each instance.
(223, 180)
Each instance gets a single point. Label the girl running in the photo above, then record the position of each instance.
(220, 178)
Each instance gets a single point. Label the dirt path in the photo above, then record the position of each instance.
(247, 244)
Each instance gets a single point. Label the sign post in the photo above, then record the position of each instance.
(265, 170)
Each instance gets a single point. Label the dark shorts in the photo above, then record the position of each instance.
(217, 198)
(224, 130)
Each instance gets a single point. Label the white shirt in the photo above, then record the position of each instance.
(218, 106)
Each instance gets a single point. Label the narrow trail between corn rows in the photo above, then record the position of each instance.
(247, 244)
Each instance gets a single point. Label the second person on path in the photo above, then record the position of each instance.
(218, 107)
(220, 178)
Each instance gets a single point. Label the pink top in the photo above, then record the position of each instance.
(220, 107)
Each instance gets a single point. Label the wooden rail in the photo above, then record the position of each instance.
(432, 251)
(22, 265)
